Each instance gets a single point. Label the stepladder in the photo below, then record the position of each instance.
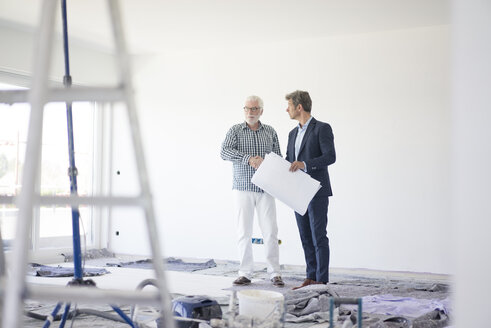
(16, 290)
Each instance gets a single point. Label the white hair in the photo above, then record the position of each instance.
(255, 98)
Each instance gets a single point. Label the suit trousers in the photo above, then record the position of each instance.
(264, 204)
(313, 234)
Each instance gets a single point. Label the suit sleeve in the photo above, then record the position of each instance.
(328, 153)
(289, 156)
(229, 150)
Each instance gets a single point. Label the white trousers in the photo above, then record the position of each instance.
(245, 203)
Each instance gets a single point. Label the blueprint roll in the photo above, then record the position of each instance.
(294, 189)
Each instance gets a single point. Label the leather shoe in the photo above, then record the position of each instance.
(277, 281)
(241, 281)
(308, 282)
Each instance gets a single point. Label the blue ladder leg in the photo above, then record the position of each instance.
(52, 316)
(65, 315)
(124, 316)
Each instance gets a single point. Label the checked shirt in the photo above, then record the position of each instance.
(242, 143)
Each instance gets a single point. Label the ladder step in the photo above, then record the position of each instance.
(82, 200)
(7, 199)
(96, 201)
(101, 94)
(91, 295)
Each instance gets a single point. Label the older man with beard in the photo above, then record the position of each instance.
(245, 145)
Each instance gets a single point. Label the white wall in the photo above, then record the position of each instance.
(386, 96)
(471, 160)
(89, 64)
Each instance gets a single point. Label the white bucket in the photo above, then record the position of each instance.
(259, 303)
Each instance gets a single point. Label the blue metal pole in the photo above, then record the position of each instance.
(65, 315)
(72, 171)
(65, 37)
(53, 314)
(124, 316)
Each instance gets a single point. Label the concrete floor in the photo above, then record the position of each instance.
(216, 283)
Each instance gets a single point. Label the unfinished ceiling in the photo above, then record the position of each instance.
(156, 26)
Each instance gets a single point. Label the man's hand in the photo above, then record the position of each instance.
(296, 165)
(255, 161)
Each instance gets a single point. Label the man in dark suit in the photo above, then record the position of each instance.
(311, 149)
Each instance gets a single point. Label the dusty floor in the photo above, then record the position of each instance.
(216, 283)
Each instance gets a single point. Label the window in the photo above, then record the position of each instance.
(52, 226)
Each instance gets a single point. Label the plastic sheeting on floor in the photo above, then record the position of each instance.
(50, 271)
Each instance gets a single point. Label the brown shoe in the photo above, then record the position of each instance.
(277, 281)
(242, 281)
(307, 282)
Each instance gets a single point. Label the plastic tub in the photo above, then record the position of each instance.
(259, 303)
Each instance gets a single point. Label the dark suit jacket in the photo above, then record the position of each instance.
(317, 151)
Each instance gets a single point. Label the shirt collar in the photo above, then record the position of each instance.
(304, 127)
(244, 125)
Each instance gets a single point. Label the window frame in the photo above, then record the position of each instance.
(38, 253)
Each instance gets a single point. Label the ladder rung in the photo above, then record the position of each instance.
(7, 199)
(102, 94)
(96, 201)
(82, 200)
(91, 295)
